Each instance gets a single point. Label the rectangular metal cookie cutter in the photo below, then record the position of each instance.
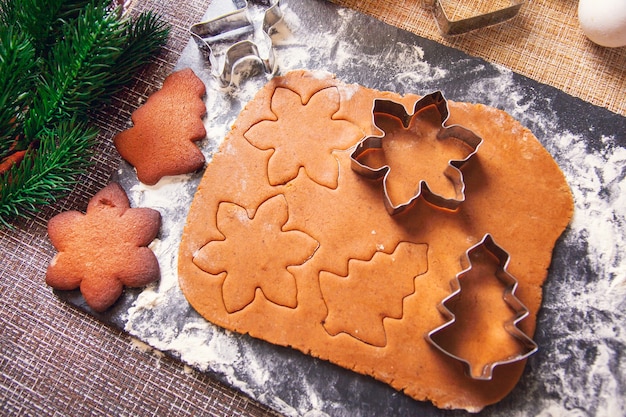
(452, 27)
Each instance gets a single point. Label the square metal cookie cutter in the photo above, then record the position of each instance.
(452, 27)
(233, 24)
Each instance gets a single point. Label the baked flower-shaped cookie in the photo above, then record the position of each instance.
(161, 142)
(105, 249)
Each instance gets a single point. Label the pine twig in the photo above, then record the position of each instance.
(35, 19)
(79, 53)
(75, 78)
(47, 173)
(145, 36)
(18, 67)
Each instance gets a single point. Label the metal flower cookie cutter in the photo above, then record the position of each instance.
(233, 25)
(450, 26)
(452, 171)
(524, 345)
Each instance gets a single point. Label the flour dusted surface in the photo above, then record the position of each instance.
(579, 369)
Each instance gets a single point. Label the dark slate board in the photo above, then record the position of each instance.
(580, 366)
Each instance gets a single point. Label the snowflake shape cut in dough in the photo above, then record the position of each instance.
(304, 135)
(416, 154)
(256, 253)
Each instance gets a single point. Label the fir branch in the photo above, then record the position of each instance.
(67, 14)
(35, 17)
(43, 20)
(48, 172)
(84, 57)
(144, 35)
(8, 12)
(71, 9)
(18, 67)
(77, 71)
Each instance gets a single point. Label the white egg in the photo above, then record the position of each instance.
(603, 21)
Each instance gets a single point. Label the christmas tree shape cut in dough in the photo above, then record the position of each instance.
(373, 290)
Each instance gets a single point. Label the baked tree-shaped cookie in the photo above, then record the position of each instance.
(161, 142)
(105, 249)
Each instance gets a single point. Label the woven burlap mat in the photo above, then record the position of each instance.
(543, 42)
(55, 360)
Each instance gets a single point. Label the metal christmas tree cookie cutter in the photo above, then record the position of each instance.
(527, 345)
(452, 27)
(238, 23)
(453, 169)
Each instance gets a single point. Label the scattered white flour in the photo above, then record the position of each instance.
(599, 187)
(580, 371)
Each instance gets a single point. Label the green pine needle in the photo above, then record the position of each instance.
(35, 18)
(79, 65)
(47, 173)
(60, 59)
(43, 20)
(145, 36)
(17, 78)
